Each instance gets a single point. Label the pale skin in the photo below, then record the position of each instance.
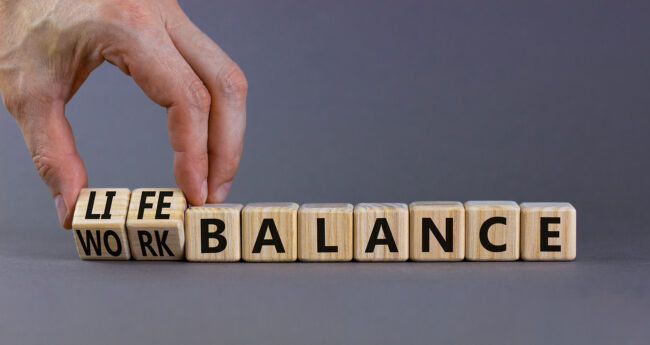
(49, 47)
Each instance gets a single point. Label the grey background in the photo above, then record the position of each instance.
(369, 101)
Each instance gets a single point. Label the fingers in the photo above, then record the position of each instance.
(228, 87)
(51, 144)
(164, 75)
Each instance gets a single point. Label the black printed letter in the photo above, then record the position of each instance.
(545, 234)
(162, 204)
(275, 237)
(161, 243)
(118, 250)
(96, 243)
(206, 235)
(381, 223)
(320, 238)
(485, 241)
(446, 243)
(144, 204)
(109, 202)
(145, 243)
(89, 207)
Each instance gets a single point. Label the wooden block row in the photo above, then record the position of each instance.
(155, 224)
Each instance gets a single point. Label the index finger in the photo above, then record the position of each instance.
(228, 87)
(163, 74)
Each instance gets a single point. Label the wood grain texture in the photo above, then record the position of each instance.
(437, 212)
(229, 234)
(338, 228)
(281, 216)
(150, 236)
(366, 216)
(101, 235)
(560, 238)
(476, 215)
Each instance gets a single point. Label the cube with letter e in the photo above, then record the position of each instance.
(548, 231)
(155, 224)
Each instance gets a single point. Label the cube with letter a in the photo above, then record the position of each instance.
(99, 224)
(155, 224)
(381, 232)
(269, 232)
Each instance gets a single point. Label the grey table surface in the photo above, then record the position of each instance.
(369, 101)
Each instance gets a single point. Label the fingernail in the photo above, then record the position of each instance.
(204, 191)
(61, 210)
(221, 193)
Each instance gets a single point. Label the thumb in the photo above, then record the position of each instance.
(50, 141)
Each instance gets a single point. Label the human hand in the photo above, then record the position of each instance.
(49, 47)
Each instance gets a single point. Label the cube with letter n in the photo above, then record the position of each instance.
(437, 231)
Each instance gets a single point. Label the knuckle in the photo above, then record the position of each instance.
(46, 166)
(228, 165)
(233, 82)
(199, 96)
(127, 13)
(228, 170)
(54, 168)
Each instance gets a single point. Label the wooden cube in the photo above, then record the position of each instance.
(99, 224)
(155, 224)
(381, 232)
(325, 232)
(548, 231)
(270, 232)
(437, 231)
(213, 232)
(492, 230)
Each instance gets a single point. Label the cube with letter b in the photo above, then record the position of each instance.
(548, 231)
(492, 230)
(155, 224)
(270, 232)
(437, 231)
(325, 232)
(99, 224)
(213, 232)
(381, 232)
